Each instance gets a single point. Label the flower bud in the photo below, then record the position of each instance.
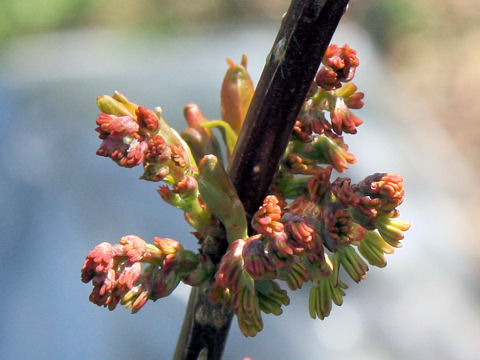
(98, 261)
(129, 275)
(116, 126)
(331, 151)
(147, 119)
(391, 229)
(353, 264)
(255, 259)
(236, 94)
(134, 247)
(167, 246)
(266, 219)
(342, 118)
(295, 275)
(373, 248)
(271, 297)
(319, 183)
(326, 291)
(117, 104)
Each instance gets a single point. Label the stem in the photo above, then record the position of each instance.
(304, 35)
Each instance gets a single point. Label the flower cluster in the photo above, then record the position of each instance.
(310, 239)
(314, 226)
(339, 65)
(116, 271)
(309, 228)
(134, 135)
(133, 271)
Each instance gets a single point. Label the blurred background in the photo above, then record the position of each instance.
(419, 70)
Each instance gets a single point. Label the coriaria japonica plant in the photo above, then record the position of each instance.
(311, 228)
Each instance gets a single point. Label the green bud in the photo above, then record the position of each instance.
(131, 107)
(218, 192)
(246, 306)
(109, 105)
(391, 230)
(373, 248)
(271, 297)
(327, 290)
(346, 90)
(353, 264)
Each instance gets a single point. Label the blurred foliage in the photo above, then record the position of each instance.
(393, 20)
(431, 49)
(19, 17)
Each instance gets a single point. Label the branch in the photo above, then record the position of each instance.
(304, 35)
(296, 55)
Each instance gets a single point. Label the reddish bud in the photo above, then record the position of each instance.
(265, 220)
(327, 79)
(179, 155)
(147, 118)
(129, 276)
(134, 247)
(158, 151)
(167, 246)
(255, 258)
(98, 261)
(116, 126)
(342, 118)
(338, 225)
(319, 183)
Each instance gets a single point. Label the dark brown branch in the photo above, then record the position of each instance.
(295, 57)
(291, 65)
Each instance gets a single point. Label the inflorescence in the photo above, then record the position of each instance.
(308, 228)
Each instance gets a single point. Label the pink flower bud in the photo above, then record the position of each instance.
(187, 185)
(337, 153)
(355, 101)
(147, 118)
(340, 63)
(301, 233)
(167, 246)
(135, 154)
(134, 247)
(342, 118)
(327, 79)
(98, 261)
(265, 220)
(386, 189)
(116, 126)
(129, 276)
(157, 150)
